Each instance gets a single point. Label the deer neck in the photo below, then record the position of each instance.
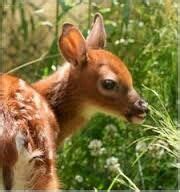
(62, 92)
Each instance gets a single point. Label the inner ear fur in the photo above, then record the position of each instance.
(72, 44)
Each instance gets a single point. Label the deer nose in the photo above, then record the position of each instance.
(141, 105)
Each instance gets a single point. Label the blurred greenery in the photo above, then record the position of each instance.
(143, 33)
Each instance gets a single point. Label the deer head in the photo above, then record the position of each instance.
(93, 77)
(104, 79)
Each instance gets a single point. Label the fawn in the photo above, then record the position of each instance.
(92, 80)
(34, 119)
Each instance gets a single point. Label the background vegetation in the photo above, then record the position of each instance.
(108, 153)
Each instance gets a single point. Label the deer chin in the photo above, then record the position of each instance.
(138, 119)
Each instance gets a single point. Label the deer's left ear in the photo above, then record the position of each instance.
(72, 45)
(97, 36)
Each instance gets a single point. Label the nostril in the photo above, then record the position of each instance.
(142, 105)
(146, 110)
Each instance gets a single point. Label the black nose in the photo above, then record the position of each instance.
(141, 105)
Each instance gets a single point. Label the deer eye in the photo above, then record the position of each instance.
(109, 84)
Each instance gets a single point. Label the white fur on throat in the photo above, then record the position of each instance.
(90, 109)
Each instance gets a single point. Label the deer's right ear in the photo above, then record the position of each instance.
(72, 45)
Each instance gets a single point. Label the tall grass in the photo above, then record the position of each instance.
(163, 127)
(164, 135)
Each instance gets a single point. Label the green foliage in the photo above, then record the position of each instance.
(108, 153)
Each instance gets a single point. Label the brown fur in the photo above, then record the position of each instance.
(23, 111)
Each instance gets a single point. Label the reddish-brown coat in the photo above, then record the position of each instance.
(24, 112)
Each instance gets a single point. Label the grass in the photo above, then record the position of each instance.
(124, 180)
(163, 129)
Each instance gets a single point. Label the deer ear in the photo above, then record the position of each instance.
(97, 36)
(72, 45)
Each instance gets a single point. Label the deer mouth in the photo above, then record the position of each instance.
(136, 118)
(141, 116)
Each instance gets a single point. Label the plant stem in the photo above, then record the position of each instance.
(89, 13)
(113, 182)
(32, 62)
(129, 181)
(57, 14)
(140, 171)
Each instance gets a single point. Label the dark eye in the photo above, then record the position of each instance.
(109, 84)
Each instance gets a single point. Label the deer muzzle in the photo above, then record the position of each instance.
(138, 108)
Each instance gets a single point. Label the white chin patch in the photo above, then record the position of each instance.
(137, 120)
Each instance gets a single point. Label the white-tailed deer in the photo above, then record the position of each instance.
(92, 80)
